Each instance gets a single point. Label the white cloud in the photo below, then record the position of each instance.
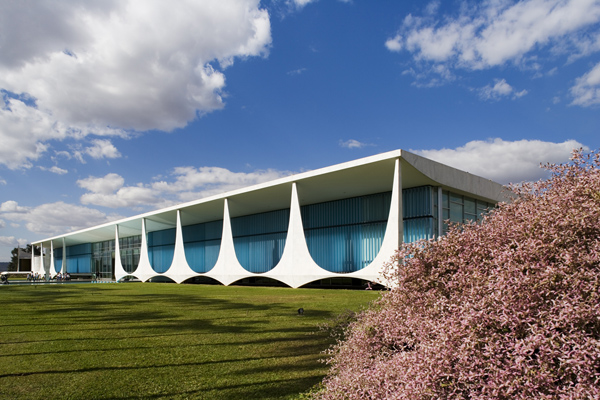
(352, 144)
(499, 90)
(54, 218)
(12, 241)
(105, 185)
(193, 183)
(54, 170)
(499, 31)
(105, 67)
(12, 206)
(394, 44)
(2, 223)
(504, 161)
(586, 91)
(2, 181)
(186, 184)
(300, 3)
(102, 149)
(298, 71)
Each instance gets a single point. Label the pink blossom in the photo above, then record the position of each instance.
(505, 309)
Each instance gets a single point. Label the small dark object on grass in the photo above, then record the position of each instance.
(301, 311)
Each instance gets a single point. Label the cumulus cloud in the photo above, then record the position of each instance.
(54, 218)
(352, 144)
(105, 185)
(12, 241)
(298, 71)
(55, 170)
(102, 149)
(191, 183)
(107, 67)
(12, 207)
(185, 184)
(493, 33)
(500, 90)
(300, 3)
(586, 91)
(504, 161)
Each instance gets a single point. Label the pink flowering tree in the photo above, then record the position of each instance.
(507, 309)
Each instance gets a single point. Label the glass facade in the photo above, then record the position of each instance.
(259, 239)
(202, 243)
(462, 209)
(129, 248)
(419, 213)
(79, 258)
(342, 236)
(346, 235)
(58, 259)
(161, 248)
(103, 259)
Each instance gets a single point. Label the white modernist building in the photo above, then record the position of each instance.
(343, 221)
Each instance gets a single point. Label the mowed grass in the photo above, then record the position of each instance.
(153, 341)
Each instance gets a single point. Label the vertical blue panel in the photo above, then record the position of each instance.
(418, 229)
(161, 248)
(58, 259)
(417, 202)
(79, 258)
(259, 239)
(346, 235)
(419, 213)
(202, 243)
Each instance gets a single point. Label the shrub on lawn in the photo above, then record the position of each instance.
(507, 309)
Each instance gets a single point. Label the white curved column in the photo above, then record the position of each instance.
(120, 272)
(296, 267)
(144, 270)
(52, 270)
(179, 270)
(35, 266)
(392, 238)
(46, 268)
(63, 267)
(228, 269)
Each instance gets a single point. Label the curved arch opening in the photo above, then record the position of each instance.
(202, 243)
(129, 278)
(201, 280)
(259, 239)
(129, 249)
(346, 235)
(161, 279)
(343, 282)
(259, 281)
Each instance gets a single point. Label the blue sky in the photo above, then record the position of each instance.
(113, 108)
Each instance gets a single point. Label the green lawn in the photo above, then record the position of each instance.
(151, 341)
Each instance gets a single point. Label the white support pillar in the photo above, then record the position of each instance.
(440, 210)
(120, 272)
(228, 269)
(392, 238)
(144, 270)
(398, 187)
(63, 267)
(179, 270)
(51, 270)
(297, 267)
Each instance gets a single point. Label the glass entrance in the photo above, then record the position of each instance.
(103, 260)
